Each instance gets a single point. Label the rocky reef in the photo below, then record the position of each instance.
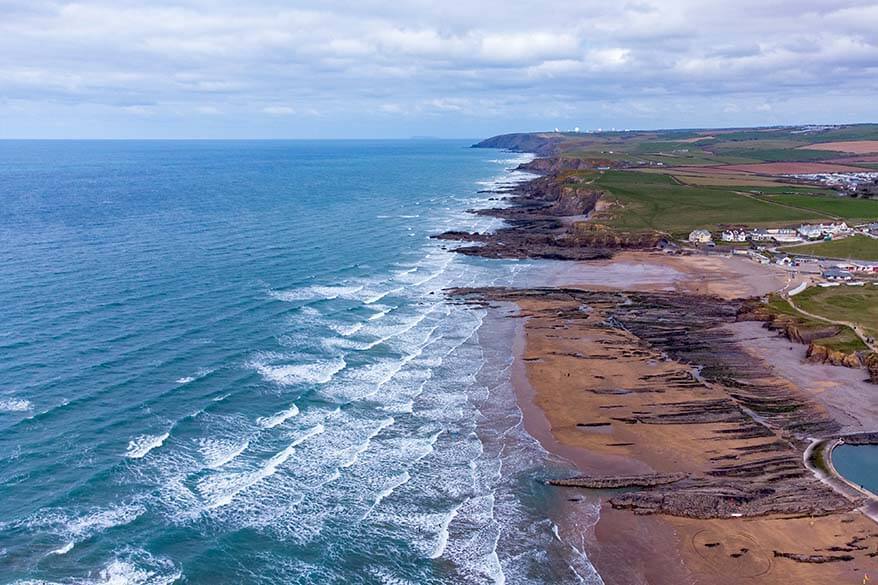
(758, 425)
(546, 218)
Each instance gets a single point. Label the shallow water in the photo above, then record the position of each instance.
(232, 362)
(858, 464)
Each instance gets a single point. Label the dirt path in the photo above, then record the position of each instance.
(853, 326)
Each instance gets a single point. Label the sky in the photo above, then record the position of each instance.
(451, 68)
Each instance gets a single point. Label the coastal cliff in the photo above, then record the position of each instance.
(814, 334)
(539, 144)
(551, 217)
(666, 414)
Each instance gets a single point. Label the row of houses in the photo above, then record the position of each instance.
(787, 235)
(778, 235)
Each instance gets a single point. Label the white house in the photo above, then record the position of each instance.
(700, 237)
(761, 235)
(733, 236)
(821, 230)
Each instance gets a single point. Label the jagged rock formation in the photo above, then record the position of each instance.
(800, 331)
(871, 360)
(617, 482)
(546, 219)
(818, 559)
(558, 164)
(758, 423)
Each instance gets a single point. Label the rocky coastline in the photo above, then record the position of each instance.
(651, 379)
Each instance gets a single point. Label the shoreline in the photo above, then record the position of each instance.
(659, 548)
(647, 547)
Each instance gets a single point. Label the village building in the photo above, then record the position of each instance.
(837, 274)
(700, 237)
(734, 236)
(822, 230)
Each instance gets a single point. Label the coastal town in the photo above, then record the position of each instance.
(778, 246)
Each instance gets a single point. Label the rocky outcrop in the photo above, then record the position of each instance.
(807, 332)
(539, 144)
(546, 218)
(871, 361)
(824, 355)
(558, 164)
(756, 424)
(816, 559)
(617, 482)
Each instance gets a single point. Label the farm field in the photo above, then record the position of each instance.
(836, 206)
(853, 248)
(854, 146)
(658, 202)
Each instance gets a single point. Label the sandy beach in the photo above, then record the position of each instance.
(566, 374)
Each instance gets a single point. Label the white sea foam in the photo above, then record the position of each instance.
(137, 568)
(219, 452)
(74, 527)
(15, 405)
(345, 329)
(226, 488)
(64, 549)
(199, 374)
(382, 311)
(309, 373)
(278, 418)
(391, 486)
(143, 444)
(124, 572)
(355, 451)
(375, 297)
(311, 293)
(442, 540)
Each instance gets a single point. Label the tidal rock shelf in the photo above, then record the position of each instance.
(693, 382)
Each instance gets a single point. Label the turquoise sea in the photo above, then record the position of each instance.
(232, 362)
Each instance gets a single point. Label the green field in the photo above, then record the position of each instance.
(777, 154)
(845, 340)
(853, 304)
(658, 202)
(853, 248)
(841, 207)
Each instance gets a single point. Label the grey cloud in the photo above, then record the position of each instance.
(374, 60)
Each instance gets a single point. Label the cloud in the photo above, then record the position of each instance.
(279, 110)
(511, 61)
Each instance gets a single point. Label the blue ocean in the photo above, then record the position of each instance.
(233, 362)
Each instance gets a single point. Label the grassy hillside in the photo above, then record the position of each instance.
(852, 304)
(658, 202)
(854, 248)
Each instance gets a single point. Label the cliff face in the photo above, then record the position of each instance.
(537, 143)
(872, 365)
(547, 220)
(824, 355)
(558, 164)
(808, 334)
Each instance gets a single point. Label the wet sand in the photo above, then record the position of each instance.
(552, 382)
(724, 276)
